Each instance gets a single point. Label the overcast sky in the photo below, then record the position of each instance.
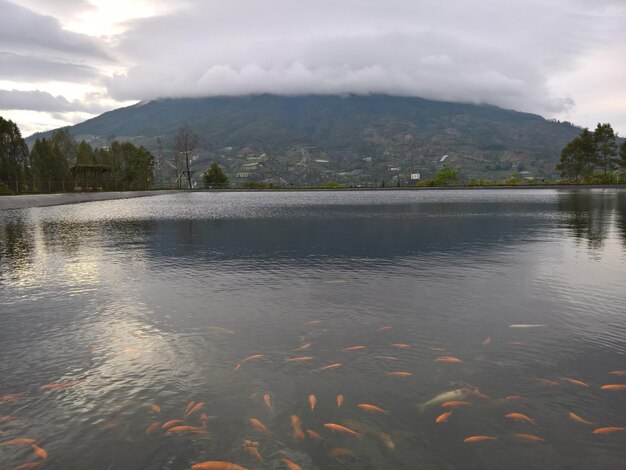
(64, 61)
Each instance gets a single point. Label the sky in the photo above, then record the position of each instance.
(65, 61)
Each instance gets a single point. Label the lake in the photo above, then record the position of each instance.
(508, 307)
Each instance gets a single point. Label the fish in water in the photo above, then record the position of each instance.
(399, 374)
(5, 419)
(353, 348)
(216, 465)
(154, 407)
(291, 465)
(454, 404)
(363, 429)
(452, 395)
(188, 429)
(613, 387)
(304, 347)
(339, 400)
(339, 452)
(580, 383)
(39, 452)
(479, 439)
(153, 427)
(190, 405)
(256, 424)
(254, 451)
(28, 466)
(339, 428)
(313, 322)
(530, 325)
(548, 382)
(529, 437)
(194, 409)
(386, 358)
(372, 408)
(314, 435)
(19, 441)
(328, 367)
(443, 418)
(268, 401)
(312, 401)
(449, 359)
(577, 419)
(296, 424)
(172, 423)
(9, 397)
(520, 418)
(515, 398)
(613, 372)
(486, 341)
(400, 346)
(384, 328)
(299, 359)
(608, 430)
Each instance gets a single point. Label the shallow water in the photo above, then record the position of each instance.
(157, 300)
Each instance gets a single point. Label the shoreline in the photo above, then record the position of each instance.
(26, 201)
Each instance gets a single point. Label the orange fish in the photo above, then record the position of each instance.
(172, 423)
(297, 427)
(12, 397)
(437, 349)
(312, 401)
(479, 438)
(386, 358)
(577, 419)
(18, 441)
(5, 419)
(339, 428)
(486, 341)
(254, 357)
(195, 408)
(267, 400)
(613, 387)
(252, 450)
(28, 466)
(187, 429)
(313, 435)
(515, 398)
(304, 347)
(529, 437)
(386, 439)
(400, 346)
(353, 348)
(291, 465)
(550, 383)
(454, 404)
(259, 426)
(216, 465)
(576, 382)
(328, 367)
(338, 452)
(443, 418)
(450, 359)
(384, 328)
(519, 417)
(608, 430)
(371, 408)
(153, 427)
(154, 407)
(399, 374)
(313, 322)
(204, 419)
(613, 372)
(39, 452)
(190, 405)
(339, 400)
(299, 359)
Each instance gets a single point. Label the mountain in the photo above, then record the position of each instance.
(353, 139)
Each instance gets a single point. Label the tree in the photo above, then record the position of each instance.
(622, 154)
(446, 176)
(13, 155)
(214, 176)
(185, 142)
(49, 166)
(605, 147)
(578, 157)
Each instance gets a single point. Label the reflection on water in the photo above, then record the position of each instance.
(117, 315)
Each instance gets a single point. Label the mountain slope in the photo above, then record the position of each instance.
(352, 138)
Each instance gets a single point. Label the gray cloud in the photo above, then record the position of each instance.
(21, 67)
(43, 101)
(23, 30)
(453, 50)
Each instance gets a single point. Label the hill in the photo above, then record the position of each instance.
(353, 139)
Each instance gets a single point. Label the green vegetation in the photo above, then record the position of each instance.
(214, 177)
(592, 151)
(59, 163)
(444, 177)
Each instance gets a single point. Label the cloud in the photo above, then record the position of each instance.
(453, 50)
(23, 67)
(37, 100)
(23, 30)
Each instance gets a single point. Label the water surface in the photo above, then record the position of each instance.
(157, 300)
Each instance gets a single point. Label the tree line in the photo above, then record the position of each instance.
(592, 157)
(60, 163)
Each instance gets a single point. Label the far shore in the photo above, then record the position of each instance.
(25, 201)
